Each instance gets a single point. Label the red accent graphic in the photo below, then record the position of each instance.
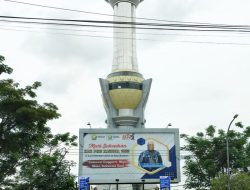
(106, 163)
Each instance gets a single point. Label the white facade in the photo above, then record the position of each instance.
(124, 56)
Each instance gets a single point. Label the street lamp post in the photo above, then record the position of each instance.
(228, 161)
(169, 125)
(89, 125)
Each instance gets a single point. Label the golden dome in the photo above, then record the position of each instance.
(125, 89)
(125, 98)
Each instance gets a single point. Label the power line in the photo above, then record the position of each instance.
(120, 32)
(58, 8)
(203, 26)
(107, 37)
(96, 13)
(79, 35)
(170, 28)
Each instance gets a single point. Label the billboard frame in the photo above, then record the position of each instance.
(174, 131)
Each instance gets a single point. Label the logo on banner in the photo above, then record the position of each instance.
(109, 137)
(94, 137)
(128, 137)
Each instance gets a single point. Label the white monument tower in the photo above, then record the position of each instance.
(125, 92)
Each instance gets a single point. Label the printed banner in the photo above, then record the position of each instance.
(128, 156)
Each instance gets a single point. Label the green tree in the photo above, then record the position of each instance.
(240, 181)
(24, 135)
(49, 169)
(208, 158)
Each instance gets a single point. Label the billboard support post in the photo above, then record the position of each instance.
(143, 181)
(117, 183)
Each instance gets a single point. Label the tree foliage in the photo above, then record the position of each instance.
(239, 181)
(52, 170)
(27, 146)
(208, 158)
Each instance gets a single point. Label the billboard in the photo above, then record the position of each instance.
(129, 155)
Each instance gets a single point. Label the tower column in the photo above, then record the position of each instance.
(124, 56)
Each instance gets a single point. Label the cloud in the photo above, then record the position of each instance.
(194, 85)
(68, 50)
(167, 10)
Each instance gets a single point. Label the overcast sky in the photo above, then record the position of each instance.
(194, 85)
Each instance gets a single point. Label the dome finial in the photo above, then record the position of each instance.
(114, 2)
